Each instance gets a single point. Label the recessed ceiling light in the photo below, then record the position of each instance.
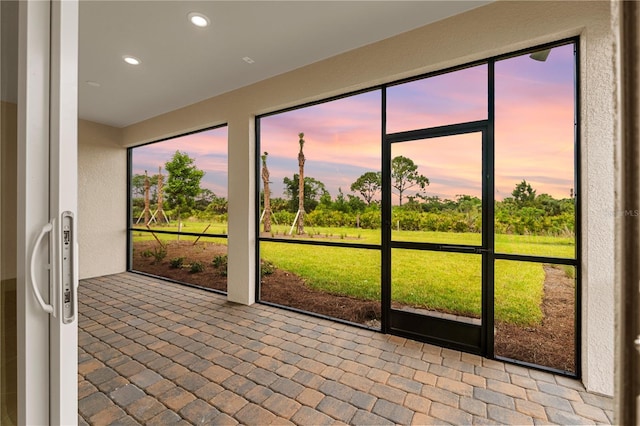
(198, 19)
(248, 60)
(132, 60)
(92, 83)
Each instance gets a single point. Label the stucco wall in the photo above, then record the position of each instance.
(102, 189)
(498, 28)
(598, 113)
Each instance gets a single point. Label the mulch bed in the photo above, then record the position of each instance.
(550, 344)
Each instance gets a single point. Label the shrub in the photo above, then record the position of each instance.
(283, 217)
(196, 267)
(159, 254)
(460, 226)
(220, 260)
(220, 263)
(330, 218)
(406, 220)
(176, 262)
(266, 268)
(147, 253)
(370, 219)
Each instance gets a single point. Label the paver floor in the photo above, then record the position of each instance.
(156, 353)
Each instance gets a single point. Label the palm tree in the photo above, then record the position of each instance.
(267, 193)
(300, 228)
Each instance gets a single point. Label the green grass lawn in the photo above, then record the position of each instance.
(450, 282)
(352, 272)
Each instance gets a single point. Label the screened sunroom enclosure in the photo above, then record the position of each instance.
(458, 254)
(178, 208)
(580, 269)
(443, 208)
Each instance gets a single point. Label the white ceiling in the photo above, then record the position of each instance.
(183, 64)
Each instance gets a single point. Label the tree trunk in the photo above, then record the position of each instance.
(146, 199)
(179, 224)
(301, 187)
(160, 214)
(267, 194)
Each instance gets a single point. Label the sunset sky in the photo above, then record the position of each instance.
(533, 133)
(208, 148)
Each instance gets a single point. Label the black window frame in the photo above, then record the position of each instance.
(575, 262)
(131, 228)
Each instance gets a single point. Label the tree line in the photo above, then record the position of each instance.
(524, 212)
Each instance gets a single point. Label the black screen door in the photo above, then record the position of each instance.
(436, 242)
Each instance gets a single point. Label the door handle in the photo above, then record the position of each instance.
(32, 268)
(483, 250)
(68, 267)
(459, 249)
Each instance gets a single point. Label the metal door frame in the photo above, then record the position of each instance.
(443, 332)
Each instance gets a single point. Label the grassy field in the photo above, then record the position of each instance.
(450, 282)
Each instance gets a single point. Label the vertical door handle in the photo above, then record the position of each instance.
(68, 271)
(45, 307)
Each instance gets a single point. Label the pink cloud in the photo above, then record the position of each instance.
(534, 138)
(208, 148)
(450, 98)
(453, 164)
(345, 131)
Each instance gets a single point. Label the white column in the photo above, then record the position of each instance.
(242, 237)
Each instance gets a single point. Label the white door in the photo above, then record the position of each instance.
(47, 202)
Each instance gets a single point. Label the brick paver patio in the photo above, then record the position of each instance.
(152, 352)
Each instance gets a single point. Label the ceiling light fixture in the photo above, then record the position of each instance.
(131, 60)
(198, 19)
(248, 60)
(93, 83)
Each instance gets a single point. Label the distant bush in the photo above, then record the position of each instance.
(284, 217)
(370, 219)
